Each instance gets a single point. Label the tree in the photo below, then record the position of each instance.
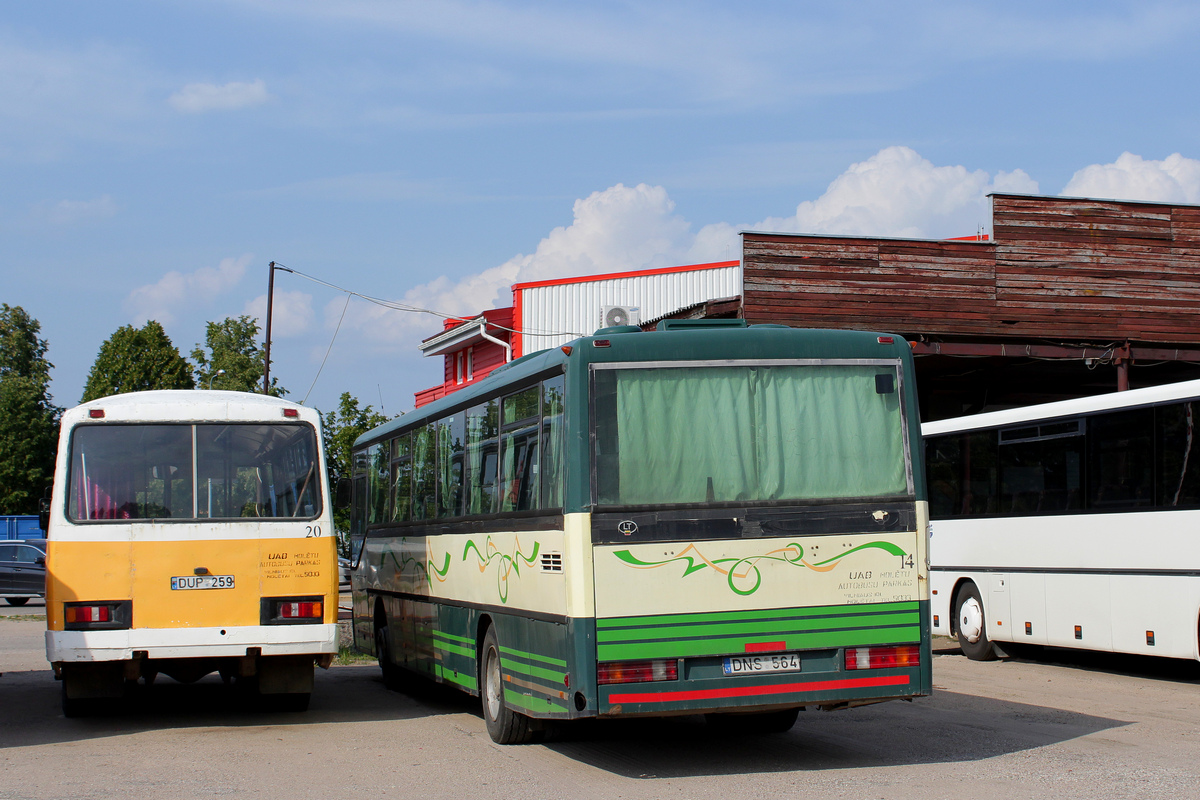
(233, 359)
(28, 418)
(339, 429)
(135, 360)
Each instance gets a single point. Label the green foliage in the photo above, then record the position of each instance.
(230, 358)
(135, 360)
(28, 419)
(339, 429)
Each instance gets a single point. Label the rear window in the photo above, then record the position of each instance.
(203, 471)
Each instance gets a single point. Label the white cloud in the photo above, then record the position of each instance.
(291, 313)
(159, 301)
(896, 192)
(1175, 179)
(197, 98)
(72, 212)
(618, 229)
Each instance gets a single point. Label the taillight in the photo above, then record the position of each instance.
(93, 615)
(659, 669)
(291, 610)
(300, 610)
(76, 614)
(908, 655)
(291, 413)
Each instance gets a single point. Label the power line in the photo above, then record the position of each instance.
(397, 306)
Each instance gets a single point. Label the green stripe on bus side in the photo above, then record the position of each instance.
(508, 651)
(683, 648)
(456, 649)
(535, 672)
(453, 638)
(462, 679)
(766, 627)
(534, 704)
(764, 613)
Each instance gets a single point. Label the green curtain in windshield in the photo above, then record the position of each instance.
(747, 434)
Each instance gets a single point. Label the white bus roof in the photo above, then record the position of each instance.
(1065, 408)
(185, 405)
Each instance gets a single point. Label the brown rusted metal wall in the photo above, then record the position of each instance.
(1057, 269)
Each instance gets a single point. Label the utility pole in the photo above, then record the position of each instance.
(270, 302)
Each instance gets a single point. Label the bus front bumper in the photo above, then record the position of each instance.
(163, 643)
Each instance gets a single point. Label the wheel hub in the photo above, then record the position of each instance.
(970, 620)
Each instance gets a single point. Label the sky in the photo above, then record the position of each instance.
(155, 157)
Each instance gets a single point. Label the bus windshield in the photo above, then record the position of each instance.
(746, 434)
(203, 471)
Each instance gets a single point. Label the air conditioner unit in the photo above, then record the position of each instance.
(612, 316)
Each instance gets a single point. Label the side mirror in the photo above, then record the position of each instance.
(341, 498)
(40, 561)
(44, 514)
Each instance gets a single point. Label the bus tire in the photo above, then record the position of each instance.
(504, 725)
(971, 625)
(383, 652)
(16, 601)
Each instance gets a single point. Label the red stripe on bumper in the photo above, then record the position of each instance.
(765, 647)
(755, 691)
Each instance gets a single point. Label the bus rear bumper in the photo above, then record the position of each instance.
(164, 643)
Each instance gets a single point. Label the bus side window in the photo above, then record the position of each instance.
(553, 440)
(451, 435)
(1120, 460)
(423, 478)
(378, 483)
(481, 451)
(358, 516)
(402, 478)
(1177, 477)
(519, 451)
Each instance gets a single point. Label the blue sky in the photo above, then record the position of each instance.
(154, 157)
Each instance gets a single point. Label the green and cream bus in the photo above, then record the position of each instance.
(706, 518)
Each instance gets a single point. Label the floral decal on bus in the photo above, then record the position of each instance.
(509, 564)
(743, 574)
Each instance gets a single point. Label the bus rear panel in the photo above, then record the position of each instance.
(190, 534)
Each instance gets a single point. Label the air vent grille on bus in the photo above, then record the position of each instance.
(551, 562)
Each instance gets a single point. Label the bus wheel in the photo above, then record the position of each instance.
(971, 624)
(383, 651)
(16, 601)
(504, 725)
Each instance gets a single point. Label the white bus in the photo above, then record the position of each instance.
(1070, 524)
(189, 533)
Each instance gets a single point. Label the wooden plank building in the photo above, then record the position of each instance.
(1069, 297)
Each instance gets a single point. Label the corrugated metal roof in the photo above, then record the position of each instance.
(552, 315)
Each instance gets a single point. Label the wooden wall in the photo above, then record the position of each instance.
(1056, 269)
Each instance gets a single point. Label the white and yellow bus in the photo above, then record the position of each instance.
(190, 533)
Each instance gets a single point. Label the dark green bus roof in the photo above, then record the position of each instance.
(674, 340)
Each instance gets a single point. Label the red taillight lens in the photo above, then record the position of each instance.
(291, 412)
(306, 610)
(660, 669)
(908, 655)
(77, 614)
(96, 413)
